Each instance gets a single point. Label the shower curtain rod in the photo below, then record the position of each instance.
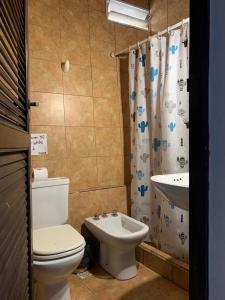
(135, 46)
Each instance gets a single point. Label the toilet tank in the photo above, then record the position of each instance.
(50, 202)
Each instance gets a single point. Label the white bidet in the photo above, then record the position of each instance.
(119, 235)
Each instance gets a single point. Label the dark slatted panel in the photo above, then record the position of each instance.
(14, 277)
(13, 107)
(15, 240)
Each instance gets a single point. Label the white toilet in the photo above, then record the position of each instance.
(57, 247)
(119, 235)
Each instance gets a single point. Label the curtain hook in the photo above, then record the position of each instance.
(138, 45)
(183, 24)
(158, 36)
(168, 30)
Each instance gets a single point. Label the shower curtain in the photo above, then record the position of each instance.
(159, 103)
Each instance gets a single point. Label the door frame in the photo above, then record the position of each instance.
(29, 192)
(199, 149)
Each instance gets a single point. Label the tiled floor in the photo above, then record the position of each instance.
(147, 285)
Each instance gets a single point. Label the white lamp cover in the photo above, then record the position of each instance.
(127, 14)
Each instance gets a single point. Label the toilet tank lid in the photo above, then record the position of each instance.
(50, 182)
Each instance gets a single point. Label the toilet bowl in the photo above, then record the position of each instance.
(119, 235)
(57, 247)
(58, 251)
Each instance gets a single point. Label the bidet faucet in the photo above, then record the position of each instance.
(96, 217)
(104, 214)
(114, 213)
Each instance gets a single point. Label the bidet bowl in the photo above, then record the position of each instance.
(119, 236)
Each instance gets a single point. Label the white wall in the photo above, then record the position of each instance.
(217, 151)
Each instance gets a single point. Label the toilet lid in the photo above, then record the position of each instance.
(56, 239)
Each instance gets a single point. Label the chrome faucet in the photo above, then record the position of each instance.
(114, 213)
(104, 214)
(96, 217)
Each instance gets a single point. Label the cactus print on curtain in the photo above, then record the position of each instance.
(175, 109)
(140, 139)
(158, 97)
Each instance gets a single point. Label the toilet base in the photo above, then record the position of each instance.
(54, 291)
(119, 263)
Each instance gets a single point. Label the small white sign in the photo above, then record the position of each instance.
(39, 145)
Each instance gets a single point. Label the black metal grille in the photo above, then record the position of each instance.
(13, 107)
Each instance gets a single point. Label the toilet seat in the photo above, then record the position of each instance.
(56, 242)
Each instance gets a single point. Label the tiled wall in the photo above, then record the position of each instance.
(80, 110)
(167, 12)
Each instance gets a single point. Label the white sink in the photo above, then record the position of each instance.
(175, 187)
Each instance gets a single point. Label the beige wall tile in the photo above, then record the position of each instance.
(44, 13)
(124, 86)
(82, 173)
(45, 76)
(78, 81)
(125, 36)
(158, 10)
(69, 19)
(110, 171)
(83, 205)
(86, 204)
(108, 141)
(78, 110)
(80, 141)
(142, 3)
(100, 28)
(104, 83)
(177, 10)
(118, 199)
(102, 198)
(166, 13)
(100, 54)
(60, 29)
(75, 4)
(56, 167)
(97, 5)
(56, 138)
(76, 50)
(106, 113)
(44, 43)
(142, 34)
(50, 110)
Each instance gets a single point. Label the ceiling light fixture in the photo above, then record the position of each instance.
(127, 14)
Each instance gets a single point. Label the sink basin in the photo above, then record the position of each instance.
(175, 187)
